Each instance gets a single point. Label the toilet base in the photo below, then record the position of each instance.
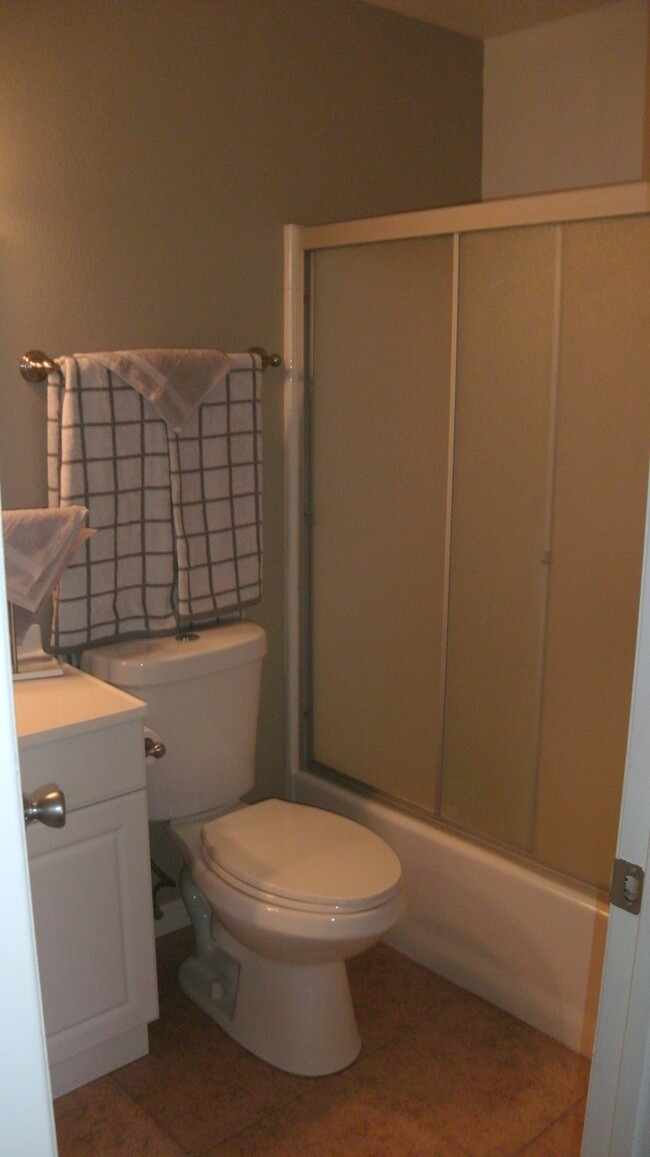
(297, 1017)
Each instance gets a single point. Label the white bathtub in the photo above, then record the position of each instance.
(527, 942)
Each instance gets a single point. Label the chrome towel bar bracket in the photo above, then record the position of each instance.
(273, 360)
(35, 366)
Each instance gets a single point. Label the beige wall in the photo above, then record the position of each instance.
(150, 152)
(564, 103)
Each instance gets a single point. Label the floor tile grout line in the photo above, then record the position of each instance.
(551, 1125)
(147, 1112)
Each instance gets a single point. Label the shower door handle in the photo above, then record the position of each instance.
(47, 805)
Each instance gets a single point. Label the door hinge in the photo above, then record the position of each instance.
(626, 889)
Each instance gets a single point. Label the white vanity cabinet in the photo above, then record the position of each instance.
(90, 880)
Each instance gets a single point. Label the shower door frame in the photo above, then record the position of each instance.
(621, 1095)
(299, 240)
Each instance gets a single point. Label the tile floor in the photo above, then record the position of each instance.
(441, 1074)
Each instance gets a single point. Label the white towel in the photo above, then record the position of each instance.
(38, 545)
(176, 517)
(174, 381)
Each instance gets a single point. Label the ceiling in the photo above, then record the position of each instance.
(487, 18)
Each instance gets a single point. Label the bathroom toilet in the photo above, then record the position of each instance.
(279, 894)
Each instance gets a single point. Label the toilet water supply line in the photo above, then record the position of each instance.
(163, 881)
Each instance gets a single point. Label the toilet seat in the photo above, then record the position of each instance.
(301, 857)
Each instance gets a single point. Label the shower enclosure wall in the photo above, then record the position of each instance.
(468, 426)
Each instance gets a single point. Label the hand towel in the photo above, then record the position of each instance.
(174, 381)
(38, 545)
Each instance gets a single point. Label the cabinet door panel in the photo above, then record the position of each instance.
(90, 888)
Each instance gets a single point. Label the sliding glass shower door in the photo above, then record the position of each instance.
(381, 365)
(476, 472)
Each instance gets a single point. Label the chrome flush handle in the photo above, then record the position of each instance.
(154, 748)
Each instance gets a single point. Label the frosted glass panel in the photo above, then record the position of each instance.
(603, 444)
(498, 568)
(380, 430)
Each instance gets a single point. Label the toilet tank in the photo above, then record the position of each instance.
(202, 693)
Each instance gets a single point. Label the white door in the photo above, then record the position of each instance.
(618, 1109)
(26, 1115)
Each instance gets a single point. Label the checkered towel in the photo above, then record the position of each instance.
(178, 514)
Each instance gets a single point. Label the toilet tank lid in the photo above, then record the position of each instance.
(303, 853)
(165, 659)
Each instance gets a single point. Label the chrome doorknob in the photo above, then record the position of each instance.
(47, 805)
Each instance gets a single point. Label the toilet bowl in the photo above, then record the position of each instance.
(295, 891)
(279, 894)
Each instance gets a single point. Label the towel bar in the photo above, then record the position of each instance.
(35, 365)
